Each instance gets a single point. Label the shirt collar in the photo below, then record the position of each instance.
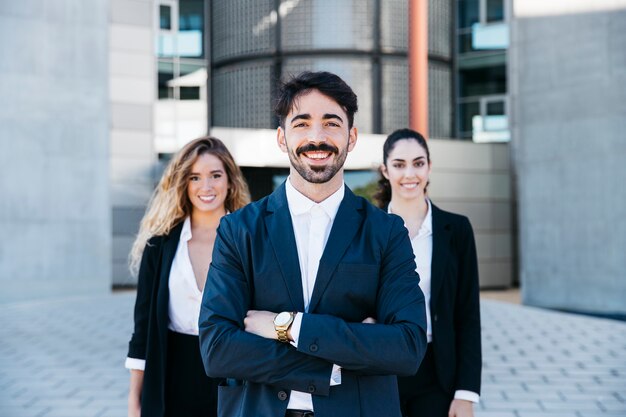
(427, 225)
(300, 204)
(185, 233)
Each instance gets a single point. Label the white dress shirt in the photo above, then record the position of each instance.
(422, 244)
(311, 225)
(185, 296)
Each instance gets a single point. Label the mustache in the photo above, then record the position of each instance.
(323, 147)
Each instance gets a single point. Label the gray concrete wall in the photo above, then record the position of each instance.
(568, 78)
(54, 175)
(133, 87)
(475, 180)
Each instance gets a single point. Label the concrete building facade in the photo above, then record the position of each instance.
(567, 77)
(132, 95)
(55, 207)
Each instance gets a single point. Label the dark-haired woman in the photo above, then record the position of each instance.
(171, 255)
(448, 380)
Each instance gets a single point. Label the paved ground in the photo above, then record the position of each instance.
(64, 358)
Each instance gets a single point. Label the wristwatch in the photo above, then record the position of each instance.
(282, 323)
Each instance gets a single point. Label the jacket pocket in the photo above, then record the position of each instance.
(230, 398)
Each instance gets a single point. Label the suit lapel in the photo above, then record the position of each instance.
(283, 241)
(441, 237)
(170, 245)
(344, 228)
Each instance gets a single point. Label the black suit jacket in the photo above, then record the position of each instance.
(367, 270)
(454, 303)
(149, 339)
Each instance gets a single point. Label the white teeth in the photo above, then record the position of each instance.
(412, 185)
(206, 199)
(317, 155)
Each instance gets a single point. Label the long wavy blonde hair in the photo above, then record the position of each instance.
(169, 204)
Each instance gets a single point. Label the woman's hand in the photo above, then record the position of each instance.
(134, 393)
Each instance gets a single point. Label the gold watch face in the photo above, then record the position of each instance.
(282, 319)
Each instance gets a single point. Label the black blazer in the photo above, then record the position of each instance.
(149, 340)
(454, 303)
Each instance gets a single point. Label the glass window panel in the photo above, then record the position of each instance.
(468, 13)
(490, 37)
(166, 73)
(165, 17)
(496, 118)
(495, 10)
(190, 93)
(189, 67)
(465, 43)
(191, 28)
(482, 81)
(495, 108)
(165, 45)
(467, 113)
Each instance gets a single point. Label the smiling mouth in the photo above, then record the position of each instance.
(317, 155)
(206, 198)
(411, 185)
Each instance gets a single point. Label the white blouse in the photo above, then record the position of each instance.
(185, 296)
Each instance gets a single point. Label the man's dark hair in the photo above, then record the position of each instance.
(325, 82)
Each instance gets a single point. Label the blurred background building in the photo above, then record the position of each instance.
(120, 86)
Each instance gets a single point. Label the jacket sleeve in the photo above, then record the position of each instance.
(227, 350)
(467, 313)
(143, 303)
(394, 346)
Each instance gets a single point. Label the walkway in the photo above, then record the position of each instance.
(64, 358)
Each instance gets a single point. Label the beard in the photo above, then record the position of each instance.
(318, 174)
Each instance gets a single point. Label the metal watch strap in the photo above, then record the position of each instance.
(283, 335)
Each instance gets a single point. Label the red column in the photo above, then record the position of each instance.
(418, 66)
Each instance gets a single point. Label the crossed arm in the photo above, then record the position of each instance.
(238, 342)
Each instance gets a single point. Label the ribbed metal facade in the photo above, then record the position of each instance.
(254, 43)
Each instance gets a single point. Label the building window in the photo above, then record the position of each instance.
(165, 17)
(484, 119)
(181, 108)
(482, 42)
(494, 11)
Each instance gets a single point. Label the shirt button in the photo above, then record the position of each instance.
(313, 348)
(435, 317)
(282, 395)
(311, 389)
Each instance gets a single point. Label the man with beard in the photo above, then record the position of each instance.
(312, 303)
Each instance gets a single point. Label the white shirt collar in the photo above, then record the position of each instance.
(301, 204)
(427, 225)
(185, 234)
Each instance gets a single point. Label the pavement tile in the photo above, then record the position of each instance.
(479, 413)
(536, 362)
(570, 405)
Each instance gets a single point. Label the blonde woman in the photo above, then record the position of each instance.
(171, 256)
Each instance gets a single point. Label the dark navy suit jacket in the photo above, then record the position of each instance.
(367, 270)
